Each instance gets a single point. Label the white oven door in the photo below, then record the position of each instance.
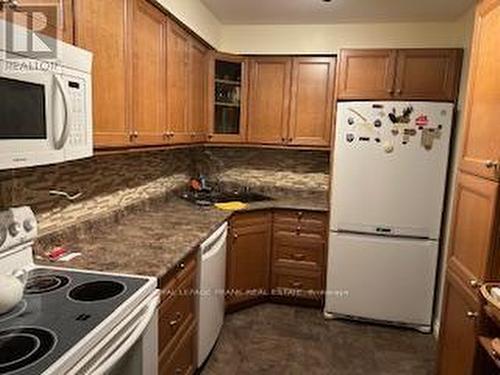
(130, 349)
(34, 113)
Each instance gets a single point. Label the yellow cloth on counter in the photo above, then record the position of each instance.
(231, 206)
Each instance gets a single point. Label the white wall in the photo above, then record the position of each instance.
(195, 15)
(328, 39)
(468, 26)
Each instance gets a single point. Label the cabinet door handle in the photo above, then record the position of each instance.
(491, 164)
(178, 371)
(475, 283)
(399, 92)
(472, 314)
(235, 235)
(210, 136)
(176, 321)
(390, 91)
(182, 265)
(283, 139)
(296, 284)
(298, 256)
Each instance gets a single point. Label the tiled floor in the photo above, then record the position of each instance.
(275, 339)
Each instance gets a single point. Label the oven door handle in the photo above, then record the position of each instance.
(120, 348)
(59, 144)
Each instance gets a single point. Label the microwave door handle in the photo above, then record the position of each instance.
(59, 144)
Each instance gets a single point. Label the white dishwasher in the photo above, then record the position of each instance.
(211, 296)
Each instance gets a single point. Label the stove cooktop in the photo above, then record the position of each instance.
(60, 307)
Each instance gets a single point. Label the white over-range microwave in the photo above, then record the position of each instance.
(45, 103)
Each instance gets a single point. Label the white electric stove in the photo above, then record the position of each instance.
(71, 321)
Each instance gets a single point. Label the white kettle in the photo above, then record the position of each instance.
(11, 290)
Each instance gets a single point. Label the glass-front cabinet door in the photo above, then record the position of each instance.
(228, 94)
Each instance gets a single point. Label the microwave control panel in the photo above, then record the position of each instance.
(78, 128)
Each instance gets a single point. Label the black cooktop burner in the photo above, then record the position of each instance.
(17, 310)
(96, 291)
(45, 283)
(21, 347)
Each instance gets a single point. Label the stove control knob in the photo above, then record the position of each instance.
(28, 225)
(14, 229)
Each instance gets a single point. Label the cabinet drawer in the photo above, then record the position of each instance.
(300, 251)
(183, 270)
(301, 221)
(182, 360)
(290, 282)
(176, 313)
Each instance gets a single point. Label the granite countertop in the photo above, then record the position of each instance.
(152, 239)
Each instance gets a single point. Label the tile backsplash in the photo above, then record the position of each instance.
(112, 182)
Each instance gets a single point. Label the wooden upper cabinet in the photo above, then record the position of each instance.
(101, 27)
(177, 84)
(457, 338)
(269, 99)
(227, 98)
(49, 17)
(405, 74)
(148, 78)
(366, 74)
(198, 80)
(474, 229)
(312, 101)
(428, 74)
(481, 151)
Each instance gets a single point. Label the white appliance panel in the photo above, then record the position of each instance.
(390, 179)
(211, 296)
(381, 278)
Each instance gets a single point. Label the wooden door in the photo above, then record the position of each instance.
(269, 101)
(481, 151)
(198, 79)
(366, 74)
(474, 228)
(177, 84)
(101, 27)
(428, 74)
(457, 338)
(312, 101)
(148, 78)
(49, 17)
(248, 262)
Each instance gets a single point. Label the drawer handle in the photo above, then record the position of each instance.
(178, 370)
(297, 284)
(299, 228)
(472, 314)
(235, 235)
(182, 265)
(178, 317)
(298, 256)
(300, 214)
(475, 283)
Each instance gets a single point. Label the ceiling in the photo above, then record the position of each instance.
(336, 11)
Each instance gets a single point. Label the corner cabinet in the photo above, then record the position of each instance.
(227, 98)
(405, 74)
(248, 258)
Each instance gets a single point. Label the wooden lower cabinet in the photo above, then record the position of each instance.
(459, 324)
(248, 258)
(177, 321)
(298, 255)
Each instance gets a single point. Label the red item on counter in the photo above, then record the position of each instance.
(56, 253)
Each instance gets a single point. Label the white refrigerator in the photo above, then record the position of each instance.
(388, 185)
